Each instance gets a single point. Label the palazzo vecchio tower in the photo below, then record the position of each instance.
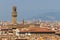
(14, 15)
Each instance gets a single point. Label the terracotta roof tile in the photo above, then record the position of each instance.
(35, 29)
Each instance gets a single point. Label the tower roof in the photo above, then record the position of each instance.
(14, 8)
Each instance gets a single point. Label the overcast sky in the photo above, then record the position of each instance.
(29, 9)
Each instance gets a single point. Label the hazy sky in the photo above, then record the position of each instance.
(29, 9)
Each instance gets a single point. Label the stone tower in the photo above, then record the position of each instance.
(14, 15)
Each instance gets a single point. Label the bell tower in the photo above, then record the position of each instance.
(14, 15)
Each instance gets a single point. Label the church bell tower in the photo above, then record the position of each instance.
(14, 15)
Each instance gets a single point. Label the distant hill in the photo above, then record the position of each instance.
(48, 16)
